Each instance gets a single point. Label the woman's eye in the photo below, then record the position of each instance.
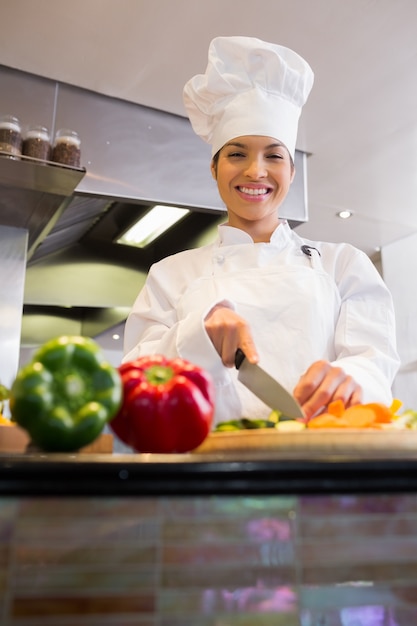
(275, 156)
(236, 154)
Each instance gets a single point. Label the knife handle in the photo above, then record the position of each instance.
(239, 358)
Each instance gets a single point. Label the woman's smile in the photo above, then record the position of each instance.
(255, 193)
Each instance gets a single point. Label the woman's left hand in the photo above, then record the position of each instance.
(321, 384)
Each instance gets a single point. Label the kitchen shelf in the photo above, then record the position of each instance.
(33, 194)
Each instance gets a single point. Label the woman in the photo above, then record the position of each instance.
(317, 316)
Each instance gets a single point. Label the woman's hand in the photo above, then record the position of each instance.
(228, 332)
(322, 383)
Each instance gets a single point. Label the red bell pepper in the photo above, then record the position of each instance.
(168, 405)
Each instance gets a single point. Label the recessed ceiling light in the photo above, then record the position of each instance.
(344, 215)
(155, 222)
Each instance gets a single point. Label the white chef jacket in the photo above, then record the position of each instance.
(331, 305)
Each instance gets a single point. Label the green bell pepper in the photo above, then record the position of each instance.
(66, 395)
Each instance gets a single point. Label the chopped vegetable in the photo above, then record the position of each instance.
(372, 415)
(290, 426)
(168, 405)
(244, 423)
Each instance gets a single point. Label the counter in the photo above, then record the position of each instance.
(203, 474)
(230, 463)
(209, 539)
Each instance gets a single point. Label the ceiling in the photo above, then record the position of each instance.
(359, 125)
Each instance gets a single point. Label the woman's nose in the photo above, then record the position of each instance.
(256, 169)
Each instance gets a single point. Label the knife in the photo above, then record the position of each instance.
(267, 388)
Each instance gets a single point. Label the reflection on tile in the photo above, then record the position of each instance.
(209, 561)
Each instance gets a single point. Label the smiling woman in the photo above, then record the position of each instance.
(259, 287)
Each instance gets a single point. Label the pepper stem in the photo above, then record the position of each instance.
(158, 374)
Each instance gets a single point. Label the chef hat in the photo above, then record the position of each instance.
(250, 87)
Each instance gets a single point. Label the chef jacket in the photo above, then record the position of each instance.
(304, 301)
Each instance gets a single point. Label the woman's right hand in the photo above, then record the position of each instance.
(228, 331)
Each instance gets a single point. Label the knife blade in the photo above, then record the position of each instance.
(266, 388)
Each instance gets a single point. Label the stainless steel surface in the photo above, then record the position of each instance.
(13, 245)
(132, 153)
(267, 389)
(33, 196)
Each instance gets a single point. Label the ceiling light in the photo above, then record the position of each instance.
(344, 215)
(156, 221)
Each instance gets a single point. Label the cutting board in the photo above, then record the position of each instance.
(16, 440)
(310, 443)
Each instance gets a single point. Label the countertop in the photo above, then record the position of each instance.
(246, 462)
(217, 473)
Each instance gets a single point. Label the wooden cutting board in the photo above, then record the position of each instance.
(310, 443)
(16, 440)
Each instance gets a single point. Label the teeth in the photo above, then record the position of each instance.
(253, 192)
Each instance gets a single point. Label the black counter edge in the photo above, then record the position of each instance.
(20, 478)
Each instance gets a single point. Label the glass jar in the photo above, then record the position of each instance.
(67, 148)
(37, 143)
(10, 136)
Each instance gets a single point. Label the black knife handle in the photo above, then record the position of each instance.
(239, 358)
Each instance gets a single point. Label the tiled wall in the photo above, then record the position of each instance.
(209, 561)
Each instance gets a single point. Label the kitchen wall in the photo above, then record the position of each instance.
(399, 265)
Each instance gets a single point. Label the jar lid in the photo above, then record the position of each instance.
(10, 121)
(68, 136)
(37, 131)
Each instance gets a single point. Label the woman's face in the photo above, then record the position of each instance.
(253, 175)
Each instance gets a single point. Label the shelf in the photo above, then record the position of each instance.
(33, 194)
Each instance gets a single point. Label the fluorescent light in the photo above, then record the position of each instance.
(152, 225)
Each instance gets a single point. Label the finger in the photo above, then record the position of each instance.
(310, 381)
(335, 386)
(229, 346)
(247, 345)
(241, 339)
(355, 398)
(321, 384)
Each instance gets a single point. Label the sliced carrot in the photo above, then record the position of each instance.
(327, 420)
(336, 408)
(359, 416)
(383, 414)
(372, 415)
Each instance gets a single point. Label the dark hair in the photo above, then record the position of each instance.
(215, 160)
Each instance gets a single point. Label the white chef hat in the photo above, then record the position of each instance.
(250, 87)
